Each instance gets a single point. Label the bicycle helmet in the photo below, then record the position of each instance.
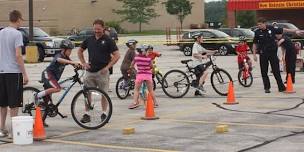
(242, 38)
(141, 49)
(67, 44)
(149, 47)
(130, 42)
(197, 35)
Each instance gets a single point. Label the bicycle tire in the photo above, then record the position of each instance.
(175, 84)
(75, 113)
(245, 83)
(154, 84)
(117, 89)
(215, 76)
(160, 80)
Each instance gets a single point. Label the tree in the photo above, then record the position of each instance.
(215, 11)
(246, 18)
(180, 8)
(137, 11)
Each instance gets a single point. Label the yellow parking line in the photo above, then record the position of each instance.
(70, 133)
(107, 146)
(238, 124)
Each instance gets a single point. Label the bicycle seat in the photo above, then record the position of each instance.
(185, 61)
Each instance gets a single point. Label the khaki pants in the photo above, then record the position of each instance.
(96, 79)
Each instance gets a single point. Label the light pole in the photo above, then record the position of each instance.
(31, 24)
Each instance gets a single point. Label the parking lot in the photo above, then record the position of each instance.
(260, 122)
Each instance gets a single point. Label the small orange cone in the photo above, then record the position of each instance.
(150, 115)
(38, 132)
(231, 97)
(289, 87)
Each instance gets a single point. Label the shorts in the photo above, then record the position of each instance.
(98, 80)
(49, 80)
(11, 90)
(199, 70)
(142, 77)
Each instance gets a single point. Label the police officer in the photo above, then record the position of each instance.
(265, 42)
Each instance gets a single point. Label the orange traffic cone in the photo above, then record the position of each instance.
(39, 132)
(289, 87)
(231, 97)
(150, 115)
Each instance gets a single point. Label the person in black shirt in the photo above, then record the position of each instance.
(290, 54)
(51, 75)
(103, 54)
(265, 42)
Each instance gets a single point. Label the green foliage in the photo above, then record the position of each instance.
(246, 19)
(215, 11)
(137, 11)
(115, 25)
(180, 8)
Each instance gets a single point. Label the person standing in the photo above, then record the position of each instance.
(290, 54)
(103, 54)
(12, 71)
(264, 41)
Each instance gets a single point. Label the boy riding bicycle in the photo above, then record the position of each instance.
(152, 54)
(51, 75)
(241, 51)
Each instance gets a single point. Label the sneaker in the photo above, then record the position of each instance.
(3, 133)
(37, 99)
(103, 117)
(201, 88)
(267, 91)
(198, 93)
(133, 106)
(85, 118)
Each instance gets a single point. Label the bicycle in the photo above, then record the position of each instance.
(244, 75)
(86, 101)
(123, 90)
(179, 81)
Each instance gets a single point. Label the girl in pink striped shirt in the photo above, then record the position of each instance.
(144, 73)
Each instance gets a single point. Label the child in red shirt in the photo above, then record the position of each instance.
(241, 51)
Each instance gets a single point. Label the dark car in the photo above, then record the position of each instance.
(47, 46)
(87, 32)
(238, 32)
(213, 40)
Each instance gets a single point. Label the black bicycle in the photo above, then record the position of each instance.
(88, 100)
(179, 81)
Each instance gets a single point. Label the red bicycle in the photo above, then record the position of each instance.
(245, 76)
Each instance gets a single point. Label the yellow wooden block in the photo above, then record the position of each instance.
(31, 54)
(221, 128)
(128, 131)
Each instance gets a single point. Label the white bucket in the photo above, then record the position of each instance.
(22, 130)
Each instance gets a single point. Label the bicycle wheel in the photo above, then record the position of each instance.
(220, 81)
(245, 80)
(160, 79)
(122, 92)
(87, 110)
(28, 107)
(178, 84)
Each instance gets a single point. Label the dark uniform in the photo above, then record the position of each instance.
(290, 57)
(267, 47)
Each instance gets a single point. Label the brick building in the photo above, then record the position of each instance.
(290, 10)
(60, 16)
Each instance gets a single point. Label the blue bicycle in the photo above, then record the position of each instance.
(88, 100)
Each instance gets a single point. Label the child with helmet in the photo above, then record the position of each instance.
(241, 50)
(51, 75)
(126, 63)
(144, 73)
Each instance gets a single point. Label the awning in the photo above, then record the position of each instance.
(233, 5)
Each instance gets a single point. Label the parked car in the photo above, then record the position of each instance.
(213, 40)
(238, 32)
(47, 46)
(87, 32)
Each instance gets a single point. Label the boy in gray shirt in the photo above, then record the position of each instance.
(12, 72)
